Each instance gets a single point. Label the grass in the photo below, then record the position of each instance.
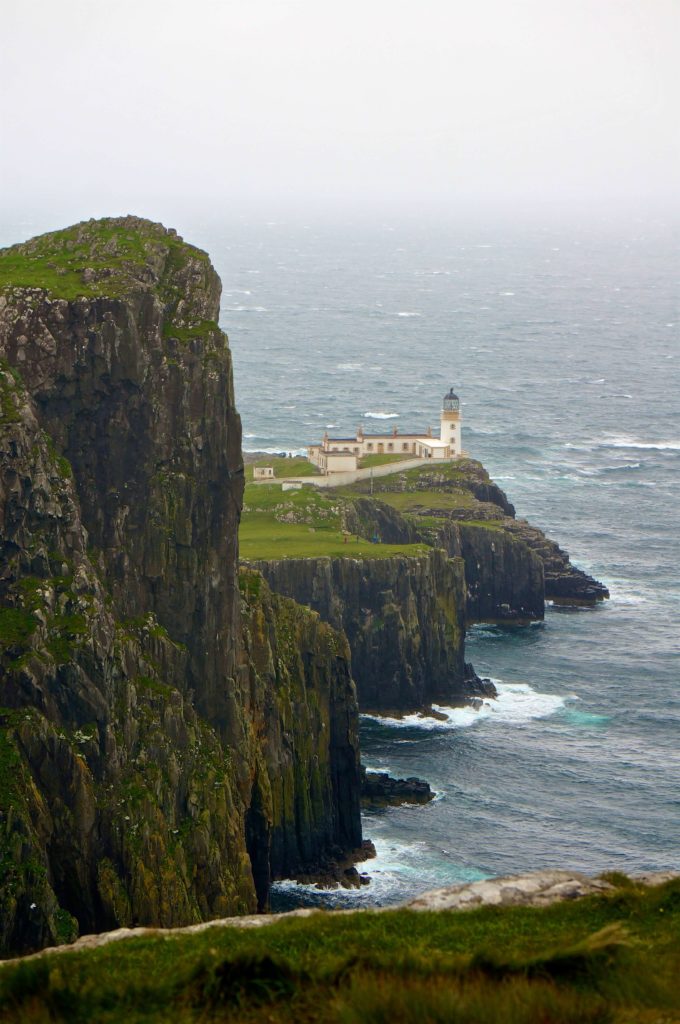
(383, 459)
(600, 960)
(284, 467)
(113, 250)
(412, 501)
(303, 524)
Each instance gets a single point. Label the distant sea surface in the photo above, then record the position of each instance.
(564, 346)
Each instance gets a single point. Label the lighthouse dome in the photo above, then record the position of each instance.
(451, 401)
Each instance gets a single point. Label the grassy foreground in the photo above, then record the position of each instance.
(613, 958)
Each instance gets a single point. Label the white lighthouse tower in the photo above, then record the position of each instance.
(450, 423)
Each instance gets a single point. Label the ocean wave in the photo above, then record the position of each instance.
(245, 309)
(394, 871)
(381, 415)
(294, 452)
(349, 366)
(618, 469)
(515, 704)
(408, 313)
(632, 442)
(506, 293)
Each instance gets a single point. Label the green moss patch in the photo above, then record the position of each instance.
(17, 626)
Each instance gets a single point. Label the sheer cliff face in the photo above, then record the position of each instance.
(403, 616)
(134, 386)
(155, 747)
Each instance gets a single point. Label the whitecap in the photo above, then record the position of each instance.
(515, 704)
(294, 452)
(245, 309)
(381, 415)
(506, 293)
(408, 313)
(349, 366)
(631, 442)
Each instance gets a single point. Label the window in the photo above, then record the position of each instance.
(390, 447)
(369, 447)
(404, 447)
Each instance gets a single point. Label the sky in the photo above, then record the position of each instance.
(274, 105)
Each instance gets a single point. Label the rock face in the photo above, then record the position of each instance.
(169, 740)
(403, 617)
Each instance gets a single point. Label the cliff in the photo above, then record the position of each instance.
(402, 571)
(403, 617)
(168, 741)
(511, 567)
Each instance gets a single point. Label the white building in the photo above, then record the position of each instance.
(342, 454)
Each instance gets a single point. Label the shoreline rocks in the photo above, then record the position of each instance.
(378, 789)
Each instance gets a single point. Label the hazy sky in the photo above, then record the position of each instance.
(115, 105)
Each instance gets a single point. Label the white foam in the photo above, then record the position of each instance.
(515, 704)
(408, 313)
(295, 452)
(506, 293)
(632, 442)
(381, 415)
(245, 309)
(349, 366)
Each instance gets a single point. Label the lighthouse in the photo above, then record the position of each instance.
(450, 423)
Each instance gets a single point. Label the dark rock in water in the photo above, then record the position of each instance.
(475, 684)
(172, 735)
(378, 789)
(339, 871)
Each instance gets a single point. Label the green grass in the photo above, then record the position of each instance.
(595, 961)
(411, 501)
(113, 249)
(284, 467)
(267, 539)
(383, 459)
(303, 524)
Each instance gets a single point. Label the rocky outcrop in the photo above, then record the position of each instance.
(403, 617)
(564, 582)
(511, 567)
(378, 789)
(169, 741)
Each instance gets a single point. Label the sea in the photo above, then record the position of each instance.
(563, 342)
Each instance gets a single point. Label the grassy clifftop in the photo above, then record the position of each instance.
(611, 959)
(94, 258)
(308, 523)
